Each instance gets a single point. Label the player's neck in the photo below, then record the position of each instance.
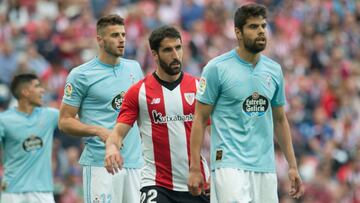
(248, 56)
(166, 77)
(108, 59)
(25, 107)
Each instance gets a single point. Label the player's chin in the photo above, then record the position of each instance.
(119, 53)
(176, 69)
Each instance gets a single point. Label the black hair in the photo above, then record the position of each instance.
(248, 11)
(161, 33)
(112, 19)
(18, 82)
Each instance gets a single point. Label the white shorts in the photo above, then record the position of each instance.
(27, 197)
(230, 185)
(101, 186)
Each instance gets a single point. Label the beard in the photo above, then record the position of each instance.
(112, 50)
(254, 47)
(167, 67)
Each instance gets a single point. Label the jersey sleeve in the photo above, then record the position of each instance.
(75, 88)
(209, 85)
(279, 96)
(130, 107)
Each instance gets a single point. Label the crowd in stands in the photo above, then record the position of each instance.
(317, 43)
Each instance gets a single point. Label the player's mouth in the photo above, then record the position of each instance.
(175, 63)
(260, 40)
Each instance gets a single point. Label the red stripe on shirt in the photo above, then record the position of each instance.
(160, 135)
(188, 87)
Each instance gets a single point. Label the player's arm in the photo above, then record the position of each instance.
(202, 114)
(70, 124)
(283, 136)
(127, 117)
(113, 159)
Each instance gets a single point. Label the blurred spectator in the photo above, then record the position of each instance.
(53, 79)
(190, 12)
(9, 62)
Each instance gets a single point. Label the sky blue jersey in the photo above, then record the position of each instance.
(98, 90)
(242, 124)
(27, 146)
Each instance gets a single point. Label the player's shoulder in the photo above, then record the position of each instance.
(270, 62)
(8, 112)
(84, 68)
(50, 110)
(222, 58)
(131, 63)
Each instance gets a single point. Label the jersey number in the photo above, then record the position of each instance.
(150, 196)
(105, 198)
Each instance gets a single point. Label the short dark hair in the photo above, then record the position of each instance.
(161, 33)
(18, 82)
(246, 11)
(112, 19)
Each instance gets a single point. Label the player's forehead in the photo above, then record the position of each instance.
(110, 29)
(257, 20)
(170, 42)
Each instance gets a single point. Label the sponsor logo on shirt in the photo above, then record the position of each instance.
(202, 85)
(255, 105)
(159, 118)
(32, 143)
(155, 101)
(68, 89)
(117, 101)
(189, 98)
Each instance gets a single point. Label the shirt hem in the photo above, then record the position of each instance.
(260, 170)
(127, 165)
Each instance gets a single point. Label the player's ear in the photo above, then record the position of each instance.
(24, 92)
(99, 40)
(155, 54)
(238, 33)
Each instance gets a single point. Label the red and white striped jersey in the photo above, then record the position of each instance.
(164, 118)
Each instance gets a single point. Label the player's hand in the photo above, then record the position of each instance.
(297, 188)
(195, 182)
(113, 159)
(103, 133)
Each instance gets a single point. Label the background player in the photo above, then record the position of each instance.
(26, 134)
(244, 93)
(94, 91)
(163, 103)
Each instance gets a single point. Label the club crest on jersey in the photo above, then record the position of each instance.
(32, 143)
(68, 89)
(255, 105)
(117, 101)
(202, 85)
(189, 98)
